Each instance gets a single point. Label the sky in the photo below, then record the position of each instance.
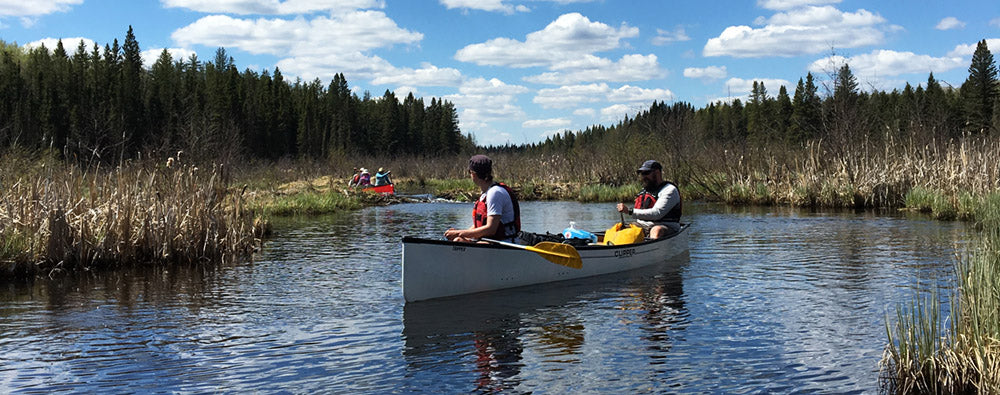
(519, 71)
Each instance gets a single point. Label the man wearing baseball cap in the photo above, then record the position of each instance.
(657, 208)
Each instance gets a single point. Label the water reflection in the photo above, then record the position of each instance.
(493, 330)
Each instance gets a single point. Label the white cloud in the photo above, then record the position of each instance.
(484, 5)
(726, 99)
(27, 8)
(553, 132)
(151, 55)
(566, 48)
(571, 96)
(271, 7)
(738, 87)
(354, 65)
(585, 112)
(950, 23)
(403, 90)
(70, 44)
(710, 73)
(492, 87)
(664, 37)
(486, 135)
(481, 100)
(546, 123)
(568, 37)
(966, 50)
(498, 5)
(800, 31)
(995, 22)
(879, 64)
(637, 95)
(616, 112)
(790, 4)
(427, 75)
(355, 31)
(318, 47)
(590, 68)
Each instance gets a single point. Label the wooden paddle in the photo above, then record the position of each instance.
(558, 253)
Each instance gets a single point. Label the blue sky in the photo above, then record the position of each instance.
(520, 70)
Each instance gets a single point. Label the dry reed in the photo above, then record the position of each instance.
(926, 355)
(66, 218)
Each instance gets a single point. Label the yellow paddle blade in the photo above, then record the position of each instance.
(558, 253)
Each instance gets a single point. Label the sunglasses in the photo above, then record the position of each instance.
(644, 172)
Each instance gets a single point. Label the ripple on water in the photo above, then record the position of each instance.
(766, 301)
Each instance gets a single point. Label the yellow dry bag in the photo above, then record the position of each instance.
(620, 235)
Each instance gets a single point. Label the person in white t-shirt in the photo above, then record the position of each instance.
(496, 214)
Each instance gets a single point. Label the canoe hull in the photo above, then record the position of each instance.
(382, 189)
(435, 269)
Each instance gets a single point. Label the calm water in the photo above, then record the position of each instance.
(767, 300)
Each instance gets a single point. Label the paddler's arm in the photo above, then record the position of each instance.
(471, 234)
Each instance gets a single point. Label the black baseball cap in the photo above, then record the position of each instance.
(650, 165)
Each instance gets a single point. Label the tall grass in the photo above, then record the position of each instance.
(866, 177)
(927, 355)
(817, 174)
(56, 217)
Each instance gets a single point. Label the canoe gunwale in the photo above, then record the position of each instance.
(418, 240)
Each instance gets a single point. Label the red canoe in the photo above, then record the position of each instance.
(382, 189)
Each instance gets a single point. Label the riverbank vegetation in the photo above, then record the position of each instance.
(959, 353)
(57, 217)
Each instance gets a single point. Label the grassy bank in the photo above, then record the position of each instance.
(942, 178)
(151, 212)
(959, 354)
(56, 217)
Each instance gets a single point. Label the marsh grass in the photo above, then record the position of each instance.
(306, 203)
(941, 178)
(962, 355)
(607, 193)
(56, 217)
(936, 174)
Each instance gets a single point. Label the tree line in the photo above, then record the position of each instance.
(838, 112)
(104, 105)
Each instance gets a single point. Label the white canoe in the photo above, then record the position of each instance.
(439, 268)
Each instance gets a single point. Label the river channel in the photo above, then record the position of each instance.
(767, 300)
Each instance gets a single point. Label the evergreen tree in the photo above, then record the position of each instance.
(130, 94)
(845, 89)
(783, 114)
(161, 101)
(979, 92)
(757, 125)
(806, 111)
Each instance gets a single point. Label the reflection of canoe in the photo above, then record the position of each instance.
(504, 327)
(437, 268)
(383, 189)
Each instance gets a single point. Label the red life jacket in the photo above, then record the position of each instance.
(646, 200)
(507, 230)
